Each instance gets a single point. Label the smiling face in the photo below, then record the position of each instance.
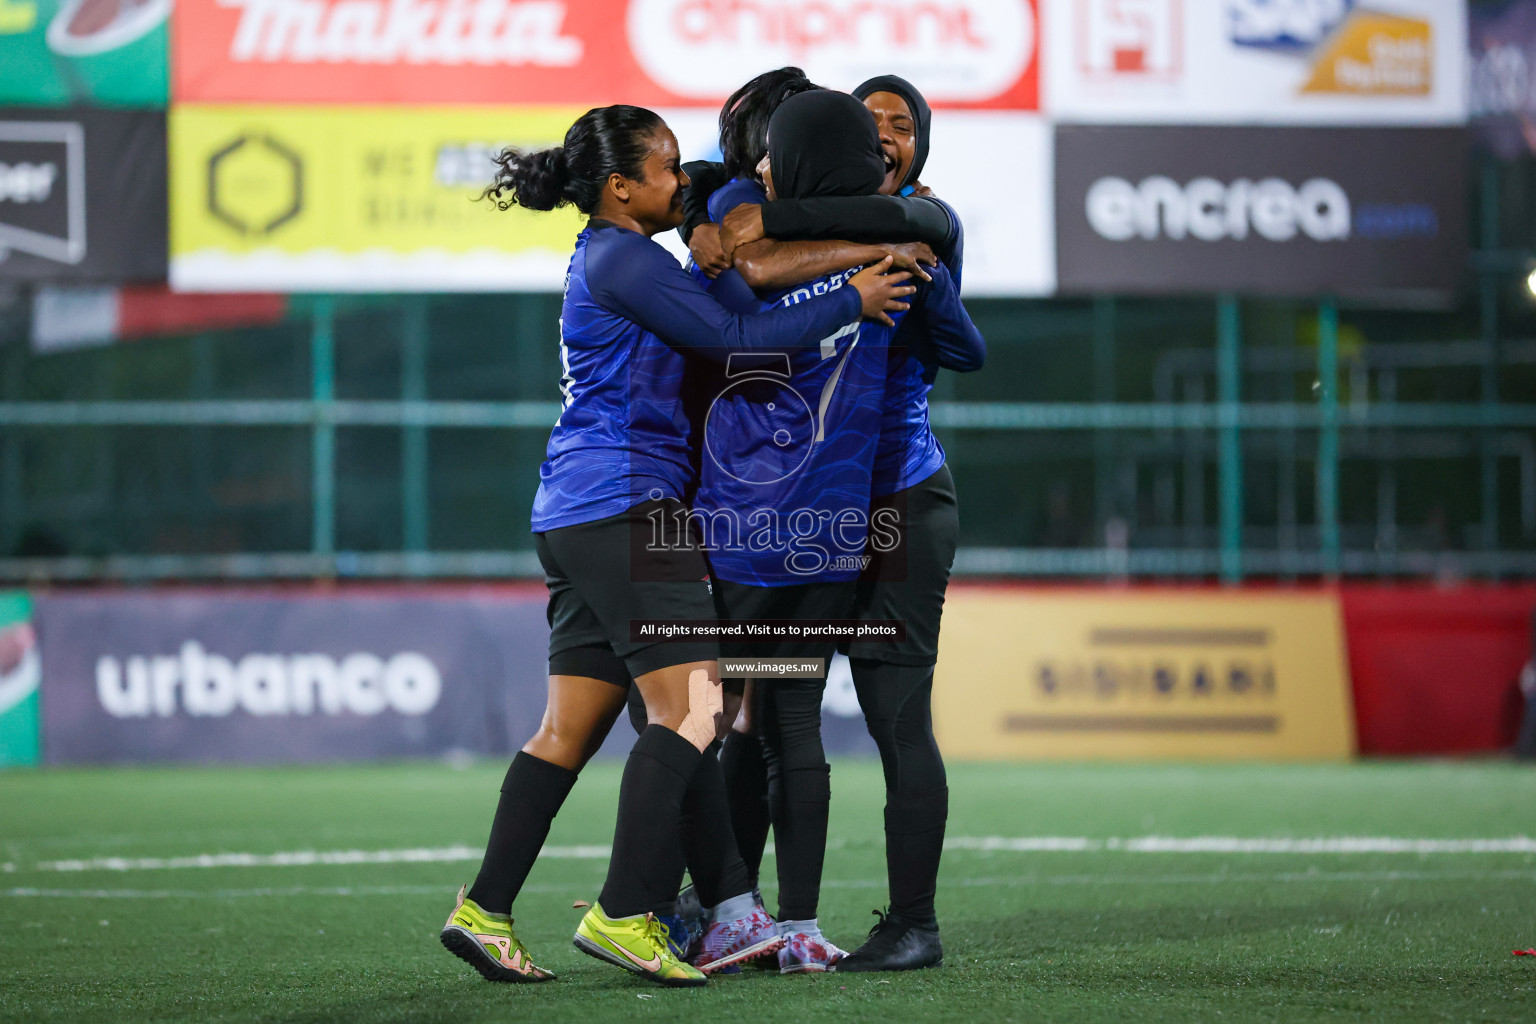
(898, 136)
(653, 201)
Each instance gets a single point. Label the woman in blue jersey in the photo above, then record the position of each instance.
(911, 481)
(813, 484)
(631, 319)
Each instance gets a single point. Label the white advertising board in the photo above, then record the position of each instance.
(1321, 62)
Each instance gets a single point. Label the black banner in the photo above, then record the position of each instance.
(82, 195)
(1260, 210)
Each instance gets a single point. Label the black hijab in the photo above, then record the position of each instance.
(920, 113)
(824, 143)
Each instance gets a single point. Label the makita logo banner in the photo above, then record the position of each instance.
(969, 53)
(487, 32)
(1282, 211)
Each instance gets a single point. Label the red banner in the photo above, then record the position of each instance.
(961, 53)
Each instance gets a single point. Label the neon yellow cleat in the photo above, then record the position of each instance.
(637, 944)
(487, 943)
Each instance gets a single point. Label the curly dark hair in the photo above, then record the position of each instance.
(744, 118)
(603, 141)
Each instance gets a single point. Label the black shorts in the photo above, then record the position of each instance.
(735, 602)
(908, 582)
(604, 574)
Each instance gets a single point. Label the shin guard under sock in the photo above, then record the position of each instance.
(914, 842)
(746, 786)
(646, 844)
(531, 796)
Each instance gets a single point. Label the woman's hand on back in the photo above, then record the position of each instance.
(882, 290)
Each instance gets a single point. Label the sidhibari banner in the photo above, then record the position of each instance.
(1257, 61)
(655, 53)
(1167, 674)
(385, 199)
(82, 195)
(20, 672)
(108, 53)
(265, 676)
(1503, 100)
(1163, 209)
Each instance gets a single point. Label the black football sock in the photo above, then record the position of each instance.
(531, 796)
(642, 870)
(746, 785)
(708, 842)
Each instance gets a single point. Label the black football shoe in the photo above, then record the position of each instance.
(896, 944)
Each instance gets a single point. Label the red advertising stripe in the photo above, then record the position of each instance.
(962, 53)
(154, 310)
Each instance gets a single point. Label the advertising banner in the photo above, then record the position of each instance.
(384, 199)
(82, 195)
(1164, 674)
(88, 316)
(108, 53)
(358, 199)
(1257, 61)
(20, 672)
(1503, 42)
(967, 53)
(192, 676)
(1271, 211)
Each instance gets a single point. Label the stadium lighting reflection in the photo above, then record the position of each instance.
(1530, 283)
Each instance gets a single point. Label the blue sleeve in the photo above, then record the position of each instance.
(956, 342)
(732, 194)
(733, 293)
(639, 280)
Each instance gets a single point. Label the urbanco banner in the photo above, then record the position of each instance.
(1266, 211)
(269, 676)
(1257, 61)
(966, 53)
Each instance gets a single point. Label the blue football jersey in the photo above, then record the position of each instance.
(629, 316)
(789, 442)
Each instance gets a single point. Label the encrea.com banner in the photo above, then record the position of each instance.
(655, 53)
(1094, 675)
(1266, 211)
(358, 199)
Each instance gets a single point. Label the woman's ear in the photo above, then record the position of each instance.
(619, 186)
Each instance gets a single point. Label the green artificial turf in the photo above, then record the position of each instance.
(1101, 934)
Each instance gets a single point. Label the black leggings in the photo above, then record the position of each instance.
(799, 788)
(897, 702)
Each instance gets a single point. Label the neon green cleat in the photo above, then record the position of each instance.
(637, 944)
(487, 943)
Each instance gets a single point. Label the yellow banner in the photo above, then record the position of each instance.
(358, 199)
(1168, 674)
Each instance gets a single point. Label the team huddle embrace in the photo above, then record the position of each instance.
(743, 441)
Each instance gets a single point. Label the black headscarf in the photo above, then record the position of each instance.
(824, 143)
(920, 113)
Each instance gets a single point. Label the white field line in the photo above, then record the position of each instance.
(1017, 881)
(982, 844)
